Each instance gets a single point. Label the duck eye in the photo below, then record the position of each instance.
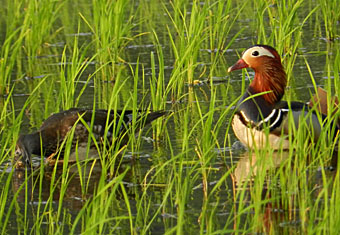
(255, 53)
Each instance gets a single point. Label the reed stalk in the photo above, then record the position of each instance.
(188, 174)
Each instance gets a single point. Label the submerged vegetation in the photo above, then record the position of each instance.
(187, 173)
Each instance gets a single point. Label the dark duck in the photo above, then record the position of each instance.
(48, 139)
(261, 118)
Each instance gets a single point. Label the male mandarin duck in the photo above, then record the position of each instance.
(261, 117)
(47, 140)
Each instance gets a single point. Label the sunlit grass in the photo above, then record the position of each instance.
(195, 179)
(330, 14)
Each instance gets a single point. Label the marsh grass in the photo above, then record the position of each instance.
(330, 13)
(284, 25)
(195, 179)
(71, 71)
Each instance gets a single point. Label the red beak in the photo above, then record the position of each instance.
(240, 64)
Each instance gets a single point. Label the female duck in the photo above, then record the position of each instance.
(48, 139)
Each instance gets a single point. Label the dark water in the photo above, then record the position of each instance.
(315, 48)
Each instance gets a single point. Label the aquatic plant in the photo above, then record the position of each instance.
(186, 173)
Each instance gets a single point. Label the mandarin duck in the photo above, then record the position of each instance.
(47, 140)
(261, 117)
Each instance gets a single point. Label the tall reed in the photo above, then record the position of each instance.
(190, 175)
(331, 14)
(190, 33)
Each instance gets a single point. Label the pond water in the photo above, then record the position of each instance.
(142, 165)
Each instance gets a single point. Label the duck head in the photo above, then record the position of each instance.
(25, 146)
(269, 72)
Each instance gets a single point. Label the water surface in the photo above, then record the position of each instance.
(140, 166)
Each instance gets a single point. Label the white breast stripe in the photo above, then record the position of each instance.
(267, 118)
(245, 117)
(270, 115)
(277, 119)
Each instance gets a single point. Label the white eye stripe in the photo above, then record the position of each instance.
(261, 52)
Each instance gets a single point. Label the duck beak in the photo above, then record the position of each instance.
(240, 64)
(22, 157)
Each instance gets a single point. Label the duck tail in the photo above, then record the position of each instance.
(320, 101)
(154, 115)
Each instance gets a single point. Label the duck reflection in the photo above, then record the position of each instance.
(251, 171)
(258, 182)
(72, 187)
(250, 164)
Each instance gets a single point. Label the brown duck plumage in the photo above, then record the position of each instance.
(51, 134)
